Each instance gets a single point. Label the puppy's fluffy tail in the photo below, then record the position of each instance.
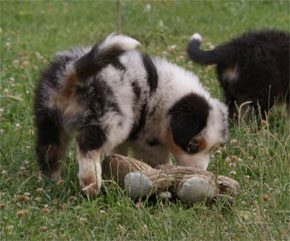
(103, 54)
(221, 54)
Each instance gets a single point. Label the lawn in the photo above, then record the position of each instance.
(35, 209)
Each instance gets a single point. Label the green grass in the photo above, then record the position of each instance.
(33, 209)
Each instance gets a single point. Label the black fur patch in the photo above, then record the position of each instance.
(188, 117)
(48, 142)
(91, 138)
(152, 76)
(118, 65)
(137, 127)
(95, 60)
(136, 90)
(153, 141)
(86, 66)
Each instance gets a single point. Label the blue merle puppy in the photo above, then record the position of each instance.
(114, 98)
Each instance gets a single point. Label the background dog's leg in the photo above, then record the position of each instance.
(89, 144)
(51, 146)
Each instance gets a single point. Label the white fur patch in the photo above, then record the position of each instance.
(196, 36)
(124, 42)
(217, 123)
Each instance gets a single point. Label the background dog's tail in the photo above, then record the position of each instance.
(221, 54)
(103, 54)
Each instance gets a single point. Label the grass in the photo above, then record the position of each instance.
(34, 209)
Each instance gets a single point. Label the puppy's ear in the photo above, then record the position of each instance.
(184, 128)
(188, 117)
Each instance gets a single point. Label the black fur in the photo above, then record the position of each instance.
(95, 60)
(187, 118)
(86, 66)
(219, 55)
(137, 127)
(136, 90)
(152, 76)
(153, 141)
(91, 138)
(118, 65)
(48, 140)
(261, 60)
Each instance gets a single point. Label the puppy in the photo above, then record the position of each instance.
(253, 70)
(114, 99)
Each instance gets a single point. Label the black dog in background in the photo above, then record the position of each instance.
(253, 70)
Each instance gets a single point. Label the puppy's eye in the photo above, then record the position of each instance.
(192, 148)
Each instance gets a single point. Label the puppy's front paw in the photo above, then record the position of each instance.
(90, 185)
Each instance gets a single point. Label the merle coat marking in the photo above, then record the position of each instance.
(114, 98)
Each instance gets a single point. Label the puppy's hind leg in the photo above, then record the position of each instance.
(89, 149)
(51, 144)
